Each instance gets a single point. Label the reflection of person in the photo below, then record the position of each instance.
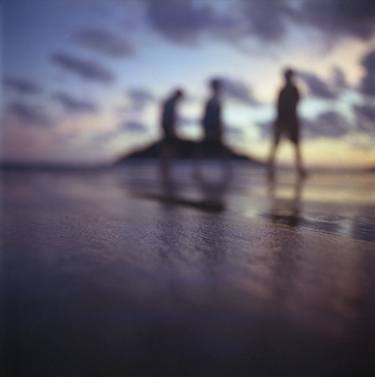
(287, 122)
(286, 211)
(168, 128)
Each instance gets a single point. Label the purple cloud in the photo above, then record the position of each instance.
(132, 126)
(104, 42)
(186, 21)
(328, 124)
(86, 69)
(268, 21)
(367, 85)
(140, 98)
(239, 91)
(340, 17)
(339, 78)
(365, 117)
(28, 114)
(316, 86)
(74, 105)
(21, 85)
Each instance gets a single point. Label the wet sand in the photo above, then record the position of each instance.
(119, 274)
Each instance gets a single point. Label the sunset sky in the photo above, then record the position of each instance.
(83, 79)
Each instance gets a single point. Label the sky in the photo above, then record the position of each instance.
(83, 80)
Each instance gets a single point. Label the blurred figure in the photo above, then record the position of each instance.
(212, 143)
(214, 192)
(287, 122)
(212, 120)
(286, 211)
(168, 127)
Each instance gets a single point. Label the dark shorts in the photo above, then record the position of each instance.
(286, 128)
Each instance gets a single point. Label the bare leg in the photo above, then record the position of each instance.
(299, 164)
(272, 156)
(197, 160)
(167, 153)
(225, 159)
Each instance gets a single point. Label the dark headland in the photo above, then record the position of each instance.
(185, 150)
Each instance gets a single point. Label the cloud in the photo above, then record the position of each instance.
(140, 98)
(28, 114)
(338, 18)
(102, 138)
(367, 85)
(132, 126)
(316, 86)
(129, 126)
(234, 132)
(265, 128)
(365, 117)
(266, 20)
(74, 105)
(367, 111)
(103, 41)
(328, 124)
(339, 78)
(187, 121)
(86, 69)
(21, 85)
(239, 91)
(186, 21)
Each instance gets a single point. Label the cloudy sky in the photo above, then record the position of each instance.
(83, 79)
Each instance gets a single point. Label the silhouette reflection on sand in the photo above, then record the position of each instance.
(157, 277)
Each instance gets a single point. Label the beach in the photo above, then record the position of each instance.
(116, 273)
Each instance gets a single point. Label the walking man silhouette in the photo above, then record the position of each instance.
(287, 123)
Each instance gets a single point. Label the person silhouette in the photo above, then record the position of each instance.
(287, 123)
(212, 120)
(212, 144)
(168, 127)
(213, 129)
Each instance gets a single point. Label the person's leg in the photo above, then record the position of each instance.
(167, 153)
(225, 159)
(273, 150)
(299, 163)
(198, 155)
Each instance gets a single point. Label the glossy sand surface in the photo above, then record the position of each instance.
(119, 274)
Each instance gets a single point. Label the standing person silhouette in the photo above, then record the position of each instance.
(212, 123)
(213, 128)
(212, 119)
(168, 127)
(287, 123)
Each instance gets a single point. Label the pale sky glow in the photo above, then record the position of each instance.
(70, 68)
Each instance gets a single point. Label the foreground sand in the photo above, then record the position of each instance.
(117, 274)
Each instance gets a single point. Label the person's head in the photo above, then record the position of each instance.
(178, 94)
(288, 75)
(216, 86)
